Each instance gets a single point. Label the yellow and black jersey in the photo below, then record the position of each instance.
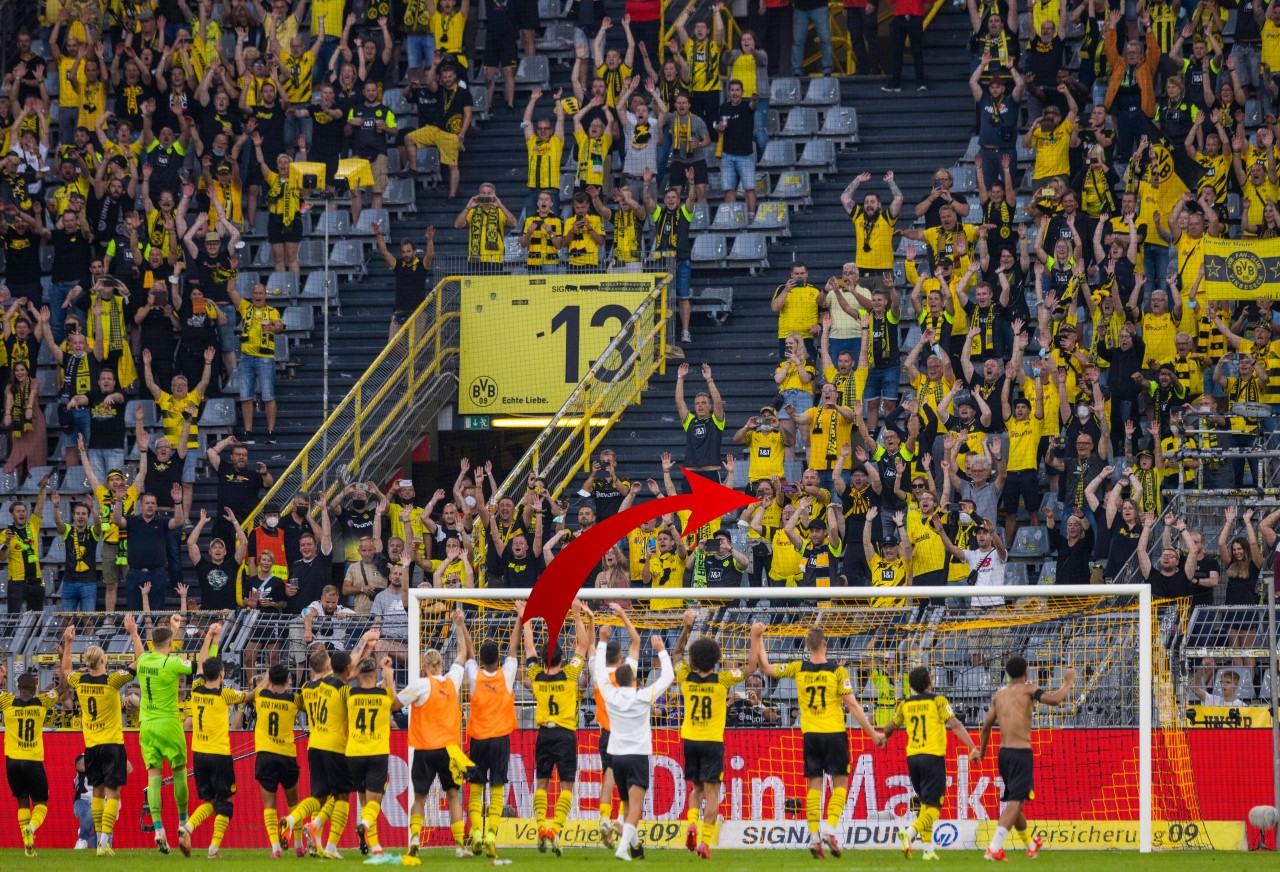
(325, 702)
(24, 725)
(369, 720)
(614, 79)
(820, 689)
(211, 717)
(542, 232)
(277, 712)
(924, 717)
(544, 161)
(887, 573)
(703, 58)
(705, 702)
(99, 698)
(556, 695)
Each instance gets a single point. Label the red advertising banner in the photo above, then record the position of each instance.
(1081, 775)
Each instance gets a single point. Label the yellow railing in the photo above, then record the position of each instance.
(615, 381)
(386, 410)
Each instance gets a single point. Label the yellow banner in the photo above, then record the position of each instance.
(1093, 835)
(1218, 717)
(1241, 269)
(528, 340)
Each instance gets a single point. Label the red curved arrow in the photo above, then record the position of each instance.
(559, 583)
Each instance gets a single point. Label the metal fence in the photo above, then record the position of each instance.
(407, 384)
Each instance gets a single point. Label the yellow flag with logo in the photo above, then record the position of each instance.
(1240, 269)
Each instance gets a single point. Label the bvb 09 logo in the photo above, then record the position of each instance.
(484, 390)
(1246, 270)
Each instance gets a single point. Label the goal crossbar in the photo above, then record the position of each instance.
(1141, 591)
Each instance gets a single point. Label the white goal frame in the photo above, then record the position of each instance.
(1093, 591)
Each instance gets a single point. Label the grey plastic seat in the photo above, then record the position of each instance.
(399, 195)
(818, 154)
(1030, 543)
(701, 218)
(840, 123)
(347, 255)
(778, 153)
(801, 121)
(368, 218)
(784, 92)
(282, 285)
(336, 221)
(534, 71)
(311, 253)
(299, 320)
(245, 282)
(709, 248)
(822, 92)
(219, 412)
(320, 285)
(771, 215)
(750, 248)
(150, 415)
(730, 218)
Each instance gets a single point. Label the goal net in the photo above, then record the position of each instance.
(1112, 766)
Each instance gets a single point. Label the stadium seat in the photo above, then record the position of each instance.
(793, 189)
(262, 258)
(311, 253)
(709, 249)
(801, 121)
(966, 180)
(337, 222)
(715, 303)
(1030, 543)
(701, 218)
(750, 249)
(823, 92)
(245, 282)
(730, 218)
(395, 101)
(840, 124)
(74, 481)
(534, 71)
(219, 412)
(779, 153)
(282, 285)
(347, 257)
(557, 37)
(299, 320)
(320, 285)
(480, 103)
(549, 10)
(399, 196)
(57, 553)
(784, 93)
(150, 415)
(31, 485)
(773, 219)
(820, 155)
(258, 228)
(368, 218)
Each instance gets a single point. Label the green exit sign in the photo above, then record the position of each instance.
(475, 422)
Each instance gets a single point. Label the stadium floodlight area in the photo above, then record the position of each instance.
(1105, 774)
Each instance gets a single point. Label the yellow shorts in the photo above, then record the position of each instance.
(446, 142)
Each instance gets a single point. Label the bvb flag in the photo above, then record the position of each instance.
(1240, 269)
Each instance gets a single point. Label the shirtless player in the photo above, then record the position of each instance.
(1011, 706)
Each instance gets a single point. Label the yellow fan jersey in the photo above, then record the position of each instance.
(705, 702)
(24, 725)
(556, 695)
(924, 717)
(99, 697)
(325, 702)
(821, 688)
(211, 717)
(277, 712)
(369, 718)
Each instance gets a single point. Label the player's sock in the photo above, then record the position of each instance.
(415, 824)
(564, 804)
(622, 809)
(459, 830)
(835, 808)
(38, 813)
(96, 804)
(813, 809)
(110, 811)
(371, 833)
(304, 810)
(606, 809)
(338, 820)
(997, 841)
(924, 823)
(497, 799)
(24, 817)
(711, 833)
(220, 824)
(475, 808)
(181, 793)
(628, 834)
(153, 799)
(271, 821)
(540, 807)
(1022, 834)
(202, 814)
(326, 811)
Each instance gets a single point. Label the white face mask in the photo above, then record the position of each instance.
(470, 501)
(1082, 412)
(966, 518)
(272, 522)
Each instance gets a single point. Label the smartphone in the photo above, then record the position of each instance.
(484, 198)
(790, 489)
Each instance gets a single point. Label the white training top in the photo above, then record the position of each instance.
(509, 668)
(419, 690)
(629, 709)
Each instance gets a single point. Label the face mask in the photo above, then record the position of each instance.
(1082, 412)
(470, 501)
(966, 518)
(273, 522)
(359, 505)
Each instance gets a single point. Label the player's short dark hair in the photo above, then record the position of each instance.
(552, 658)
(488, 653)
(161, 635)
(212, 669)
(28, 682)
(1016, 666)
(612, 652)
(919, 679)
(278, 674)
(815, 638)
(340, 662)
(367, 666)
(319, 661)
(704, 654)
(625, 675)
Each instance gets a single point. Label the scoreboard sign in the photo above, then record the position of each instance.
(528, 340)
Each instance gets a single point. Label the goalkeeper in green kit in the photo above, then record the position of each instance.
(161, 736)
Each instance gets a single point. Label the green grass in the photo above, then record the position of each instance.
(777, 861)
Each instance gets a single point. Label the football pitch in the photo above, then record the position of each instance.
(50, 860)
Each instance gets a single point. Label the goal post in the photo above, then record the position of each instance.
(1106, 784)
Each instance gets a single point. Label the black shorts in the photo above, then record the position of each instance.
(630, 770)
(524, 14)
(328, 773)
(928, 777)
(273, 771)
(703, 761)
(278, 233)
(1016, 767)
(557, 748)
(427, 767)
(368, 773)
(826, 754)
(215, 776)
(606, 759)
(491, 756)
(675, 174)
(1022, 485)
(500, 47)
(27, 778)
(106, 766)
